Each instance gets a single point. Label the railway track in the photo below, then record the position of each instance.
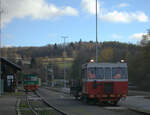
(38, 105)
(35, 112)
(65, 101)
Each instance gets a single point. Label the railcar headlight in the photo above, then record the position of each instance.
(112, 95)
(104, 95)
(92, 61)
(118, 95)
(91, 96)
(124, 95)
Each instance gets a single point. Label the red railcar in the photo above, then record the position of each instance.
(103, 82)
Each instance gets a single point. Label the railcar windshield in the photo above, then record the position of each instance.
(30, 78)
(99, 73)
(27, 79)
(108, 73)
(96, 73)
(92, 73)
(119, 73)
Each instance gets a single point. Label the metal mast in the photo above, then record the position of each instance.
(52, 69)
(96, 35)
(64, 60)
(0, 43)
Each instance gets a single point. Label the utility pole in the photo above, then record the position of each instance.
(46, 75)
(52, 73)
(96, 35)
(64, 37)
(1, 11)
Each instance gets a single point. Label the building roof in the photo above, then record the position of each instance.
(10, 63)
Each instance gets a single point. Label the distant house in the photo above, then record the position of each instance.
(8, 75)
(26, 62)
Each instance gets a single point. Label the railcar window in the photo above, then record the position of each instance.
(27, 79)
(85, 73)
(91, 73)
(124, 73)
(34, 79)
(119, 73)
(99, 73)
(107, 73)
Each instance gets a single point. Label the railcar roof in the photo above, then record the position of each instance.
(88, 65)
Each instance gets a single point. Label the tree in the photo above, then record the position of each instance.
(81, 58)
(106, 55)
(139, 64)
(146, 38)
(4, 52)
(33, 63)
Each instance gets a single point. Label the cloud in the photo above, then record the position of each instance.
(122, 5)
(52, 35)
(125, 17)
(137, 36)
(116, 36)
(36, 9)
(114, 16)
(6, 46)
(90, 6)
(7, 36)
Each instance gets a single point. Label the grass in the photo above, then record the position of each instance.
(42, 112)
(57, 60)
(26, 112)
(24, 108)
(35, 103)
(23, 104)
(14, 93)
(61, 65)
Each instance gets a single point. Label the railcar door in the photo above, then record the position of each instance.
(84, 81)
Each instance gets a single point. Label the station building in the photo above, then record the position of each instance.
(8, 75)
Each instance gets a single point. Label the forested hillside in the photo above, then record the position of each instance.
(137, 57)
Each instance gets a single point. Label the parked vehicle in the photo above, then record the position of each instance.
(30, 82)
(102, 82)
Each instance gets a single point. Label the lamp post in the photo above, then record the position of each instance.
(64, 37)
(96, 35)
(1, 11)
(52, 73)
(46, 75)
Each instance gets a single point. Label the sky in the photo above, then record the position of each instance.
(42, 22)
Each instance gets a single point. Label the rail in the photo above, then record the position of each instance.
(36, 112)
(48, 104)
(30, 106)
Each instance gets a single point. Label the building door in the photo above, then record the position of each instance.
(10, 80)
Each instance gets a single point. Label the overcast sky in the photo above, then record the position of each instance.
(41, 22)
